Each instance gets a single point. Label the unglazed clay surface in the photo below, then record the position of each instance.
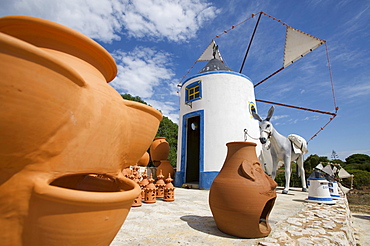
(66, 135)
(159, 150)
(242, 195)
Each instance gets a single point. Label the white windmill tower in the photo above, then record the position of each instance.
(216, 107)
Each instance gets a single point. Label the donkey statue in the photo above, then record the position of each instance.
(283, 150)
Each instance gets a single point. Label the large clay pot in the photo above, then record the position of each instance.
(242, 195)
(68, 214)
(60, 118)
(159, 150)
(166, 168)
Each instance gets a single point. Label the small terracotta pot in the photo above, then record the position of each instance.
(166, 168)
(242, 195)
(150, 191)
(144, 160)
(159, 150)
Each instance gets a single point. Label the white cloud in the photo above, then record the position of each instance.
(278, 117)
(356, 90)
(177, 20)
(141, 71)
(97, 19)
(104, 20)
(169, 109)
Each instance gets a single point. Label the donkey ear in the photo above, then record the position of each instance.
(270, 113)
(256, 116)
(247, 170)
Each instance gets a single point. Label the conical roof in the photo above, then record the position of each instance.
(215, 65)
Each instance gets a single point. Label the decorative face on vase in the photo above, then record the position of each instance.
(254, 172)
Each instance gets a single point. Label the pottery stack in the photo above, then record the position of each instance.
(151, 190)
(159, 151)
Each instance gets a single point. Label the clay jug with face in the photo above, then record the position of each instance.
(242, 195)
(66, 135)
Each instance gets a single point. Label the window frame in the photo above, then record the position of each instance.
(188, 93)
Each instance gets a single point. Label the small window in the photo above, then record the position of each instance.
(193, 92)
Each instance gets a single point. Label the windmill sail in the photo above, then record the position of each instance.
(210, 53)
(343, 188)
(327, 169)
(298, 44)
(319, 166)
(344, 174)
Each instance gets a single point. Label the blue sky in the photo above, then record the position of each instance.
(156, 42)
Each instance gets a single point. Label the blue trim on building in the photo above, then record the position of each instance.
(179, 178)
(206, 179)
(334, 195)
(199, 83)
(215, 72)
(319, 198)
(180, 175)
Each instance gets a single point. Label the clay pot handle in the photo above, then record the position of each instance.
(247, 169)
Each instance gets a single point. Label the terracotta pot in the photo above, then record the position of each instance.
(61, 117)
(144, 160)
(242, 195)
(66, 216)
(159, 150)
(166, 168)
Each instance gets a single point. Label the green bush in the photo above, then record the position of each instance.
(361, 179)
(295, 181)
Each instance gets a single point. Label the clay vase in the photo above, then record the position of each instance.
(169, 190)
(242, 195)
(159, 150)
(144, 160)
(61, 124)
(166, 168)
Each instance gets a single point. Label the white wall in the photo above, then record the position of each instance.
(225, 100)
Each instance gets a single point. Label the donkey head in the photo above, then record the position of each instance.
(265, 125)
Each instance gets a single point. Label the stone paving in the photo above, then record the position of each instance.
(188, 221)
(316, 224)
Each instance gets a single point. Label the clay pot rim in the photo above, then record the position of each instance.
(26, 50)
(64, 195)
(241, 143)
(145, 108)
(47, 34)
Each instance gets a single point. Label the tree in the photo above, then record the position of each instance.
(169, 130)
(358, 159)
(313, 160)
(132, 98)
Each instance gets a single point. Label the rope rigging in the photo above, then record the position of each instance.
(286, 64)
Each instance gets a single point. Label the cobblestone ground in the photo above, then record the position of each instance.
(316, 224)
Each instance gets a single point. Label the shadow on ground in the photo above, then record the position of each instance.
(204, 224)
(361, 216)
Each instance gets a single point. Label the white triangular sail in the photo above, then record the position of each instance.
(210, 53)
(319, 166)
(344, 174)
(335, 169)
(344, 189)
(327, 169)
(298, 44)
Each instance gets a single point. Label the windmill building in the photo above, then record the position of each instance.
(215, 107)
